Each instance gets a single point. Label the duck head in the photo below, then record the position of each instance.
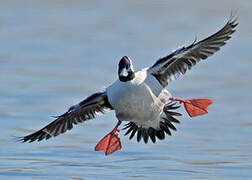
(125, 69)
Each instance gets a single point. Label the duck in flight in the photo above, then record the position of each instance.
(140, 97)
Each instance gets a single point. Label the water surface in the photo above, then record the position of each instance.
(53, 54)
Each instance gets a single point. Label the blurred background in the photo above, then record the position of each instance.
(55, 53)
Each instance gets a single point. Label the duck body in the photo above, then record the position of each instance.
(140, 97)
(140, 100)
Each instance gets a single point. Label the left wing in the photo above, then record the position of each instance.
(171, 66)
(86, 109)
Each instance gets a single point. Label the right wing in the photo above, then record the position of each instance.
(178, 62)
(85, 110)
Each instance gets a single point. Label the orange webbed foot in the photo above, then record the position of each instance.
(110, 143)
(194, 107)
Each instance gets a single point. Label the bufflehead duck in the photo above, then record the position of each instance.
(140, 97)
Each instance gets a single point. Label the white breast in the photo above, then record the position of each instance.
(140, 100)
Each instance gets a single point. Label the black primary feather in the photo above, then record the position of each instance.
(178, 62)
(85, 110)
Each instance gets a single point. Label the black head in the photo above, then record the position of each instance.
(125, 69)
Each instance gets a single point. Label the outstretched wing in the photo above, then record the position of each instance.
(85, 110)
(171, 66)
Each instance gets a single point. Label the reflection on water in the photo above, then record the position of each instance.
(54, 54)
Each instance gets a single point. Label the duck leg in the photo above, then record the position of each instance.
(194, 107)
(111, 142)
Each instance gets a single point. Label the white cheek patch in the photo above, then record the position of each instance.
(124, 72)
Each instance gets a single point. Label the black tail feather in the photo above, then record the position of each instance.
(164, 126)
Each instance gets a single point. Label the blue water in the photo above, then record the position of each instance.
(54, 54)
